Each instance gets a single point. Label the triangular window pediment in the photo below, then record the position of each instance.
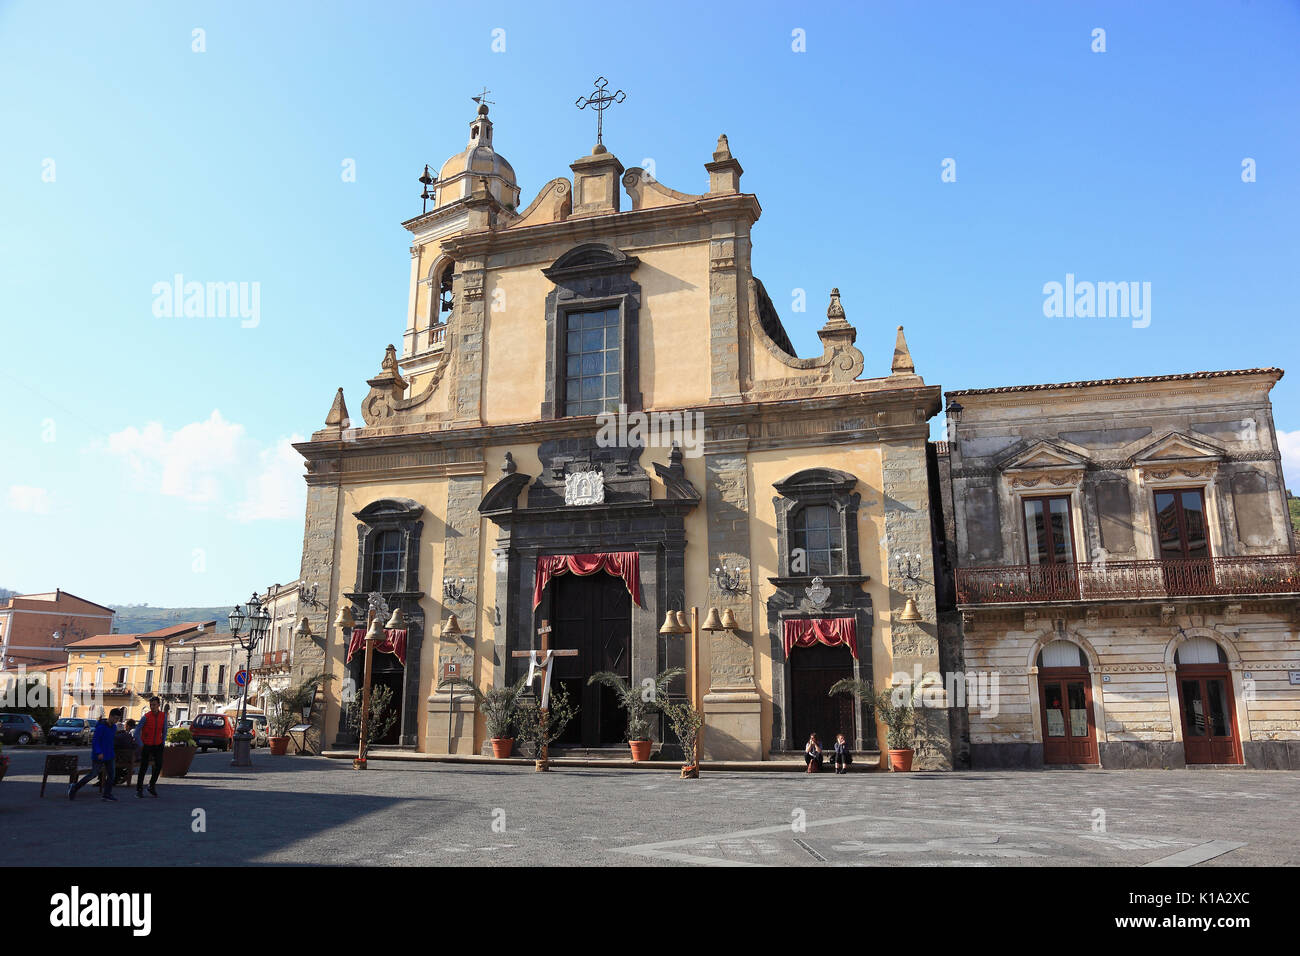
(1177, 447)
(1044, 455)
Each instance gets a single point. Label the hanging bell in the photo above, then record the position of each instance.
(713, 622)
(452, 627)
(374, 632)
(683, 625)
(910, 613)
(303, 629)
(345, 619)
(397, 621)
(670, 624)
(729, 622)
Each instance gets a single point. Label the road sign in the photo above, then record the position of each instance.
(241, 678)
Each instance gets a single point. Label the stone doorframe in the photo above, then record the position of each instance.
(629, 520)
(818, 486)
(390, 514)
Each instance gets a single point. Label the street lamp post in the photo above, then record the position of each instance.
(258, 623)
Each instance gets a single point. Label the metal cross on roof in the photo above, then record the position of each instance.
(602, 100)
(482, 99)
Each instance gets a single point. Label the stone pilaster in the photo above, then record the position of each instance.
(728, 269)
(914, 647)
(732, 707)
(466, 339)
(460, 560)
(317, 653)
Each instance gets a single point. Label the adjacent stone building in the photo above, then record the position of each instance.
(598, 380)
(1125, 571)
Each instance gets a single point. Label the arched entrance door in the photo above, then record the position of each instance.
(1205, 702)
(1065, 694)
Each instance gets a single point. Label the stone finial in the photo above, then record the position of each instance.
(338, 415)
(835, 311)
(725, 170)
(902, 364)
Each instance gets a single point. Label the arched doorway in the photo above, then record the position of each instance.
(1065, 695)
(1205, 702)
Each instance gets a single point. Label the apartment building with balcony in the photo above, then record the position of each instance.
(274, 656)
(108, 671)
(1122, 564)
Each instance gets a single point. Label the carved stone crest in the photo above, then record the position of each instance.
(584, 488)
(818, 593)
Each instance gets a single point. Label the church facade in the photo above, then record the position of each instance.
(595, 417)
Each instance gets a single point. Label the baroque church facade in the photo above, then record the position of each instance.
(598, 380)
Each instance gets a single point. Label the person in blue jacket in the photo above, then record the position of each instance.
(101, 755)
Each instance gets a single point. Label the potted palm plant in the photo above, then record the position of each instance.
(178, 753)
(639, 703)
(500, 707)
(896, 710)
(287, 708)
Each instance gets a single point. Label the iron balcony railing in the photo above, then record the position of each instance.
(273, 659)
(1111, 580)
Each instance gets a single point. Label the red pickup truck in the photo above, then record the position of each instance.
(213, 730)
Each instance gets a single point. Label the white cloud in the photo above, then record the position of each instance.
(277, 489)
(215, 462)
(30, 499)
(1289, 444)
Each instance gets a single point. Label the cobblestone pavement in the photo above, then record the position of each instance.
(295, 810)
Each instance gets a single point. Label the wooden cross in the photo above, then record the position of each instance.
(544, 665)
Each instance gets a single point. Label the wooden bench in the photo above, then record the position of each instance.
(56, 765)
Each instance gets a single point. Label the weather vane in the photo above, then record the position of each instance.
(482, 99)
(602, 100)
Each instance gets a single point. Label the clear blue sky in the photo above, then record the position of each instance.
(145, 458)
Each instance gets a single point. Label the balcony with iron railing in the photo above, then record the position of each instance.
(1129, 580)
(272, 660)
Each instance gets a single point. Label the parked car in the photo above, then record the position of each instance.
(256, 725)
(20, 729)
(72, 730)
(213, 730)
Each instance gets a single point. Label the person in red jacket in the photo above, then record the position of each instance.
(151, 734)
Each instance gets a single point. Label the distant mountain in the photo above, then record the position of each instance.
(141, 618)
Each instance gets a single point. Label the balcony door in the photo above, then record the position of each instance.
(1049, 543)
(1183, 540)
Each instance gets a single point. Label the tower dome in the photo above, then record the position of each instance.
(478, 161)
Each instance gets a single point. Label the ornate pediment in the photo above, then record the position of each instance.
(1045, 456)
(1178, 448)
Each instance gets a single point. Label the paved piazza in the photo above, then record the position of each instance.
(312, 810)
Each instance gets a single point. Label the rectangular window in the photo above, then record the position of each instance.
(148, 682)
(592, 367)
(185, 675)
(153, 650)
(1181, 527)
(385, 561)
(815, 530)
(221, 676)
(121, 675)
(1047, 531)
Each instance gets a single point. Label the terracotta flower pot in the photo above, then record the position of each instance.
(690, 772)
(640, 749)
(502, 746)
(177, 759)
(900, 761)
(358, 763)
(279, 745)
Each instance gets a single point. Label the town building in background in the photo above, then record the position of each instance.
(1124, 562)
(37, 628)
(274, 655)
(198, 669)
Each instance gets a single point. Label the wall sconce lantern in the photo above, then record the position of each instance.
(728, 578)
(453, 589)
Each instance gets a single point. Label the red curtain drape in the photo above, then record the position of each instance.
(394, 642)
(805, 632)
(621, 564)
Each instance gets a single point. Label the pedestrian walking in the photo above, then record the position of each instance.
(101, 756)
(151, 734)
